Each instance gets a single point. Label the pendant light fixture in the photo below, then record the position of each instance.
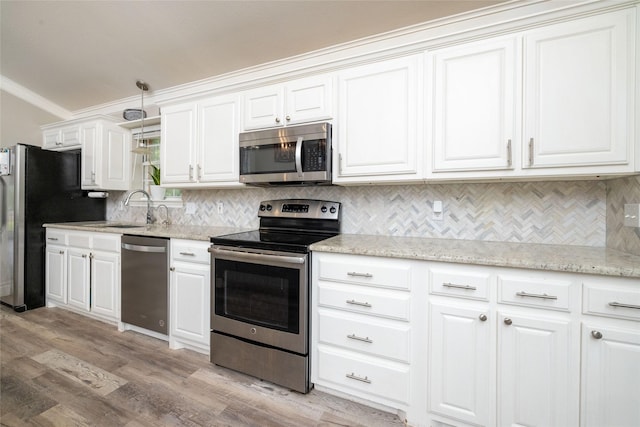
(141, 147)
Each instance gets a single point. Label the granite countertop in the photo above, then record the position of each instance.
(574, 259)
(190, 232)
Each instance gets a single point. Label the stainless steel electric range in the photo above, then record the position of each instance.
(260, 286)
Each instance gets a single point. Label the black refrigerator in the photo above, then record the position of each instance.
(36, 187)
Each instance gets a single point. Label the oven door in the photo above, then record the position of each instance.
(260, 296)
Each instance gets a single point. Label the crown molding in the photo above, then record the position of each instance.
(33, 98)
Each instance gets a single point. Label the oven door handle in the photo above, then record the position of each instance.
(252, 256)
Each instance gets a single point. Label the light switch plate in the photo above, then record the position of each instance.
(438, 210)
(190, 208)
(632, 215)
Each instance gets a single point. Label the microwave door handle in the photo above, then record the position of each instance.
(299, 156)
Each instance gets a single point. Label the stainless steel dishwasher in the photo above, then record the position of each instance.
(145, 285)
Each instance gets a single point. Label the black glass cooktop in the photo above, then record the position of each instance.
(285, 241)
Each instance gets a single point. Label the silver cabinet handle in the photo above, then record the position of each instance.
(362, 304)
(357, 378)
(172, 269)
(187, 253)
(617, 304)
(61, 252)
(84, 255)
(596, 334)
(531, 152)
(483, 317)
(288, 118)
(453, 285)
(509, 154)
(356, 274)
(54, 239)
(541, 296)
(357, 338)
(277, 119)
(190, 173)
(199, 172)
(508, 321)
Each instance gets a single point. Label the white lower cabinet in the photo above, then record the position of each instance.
(366, 329)
(512, 359)
(610, 392)
(82, 272)
(190, 295)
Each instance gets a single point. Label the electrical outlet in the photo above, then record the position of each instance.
(632, 215)
(220, 208)
(438, 210)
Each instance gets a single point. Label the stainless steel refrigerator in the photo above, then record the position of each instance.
(36, 187)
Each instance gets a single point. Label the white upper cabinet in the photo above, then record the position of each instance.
(379, 123)
(555, 101)
(200, 143)
(473, 96)
(61, 137)
(106, 156)
(578, 93)
(294, 102)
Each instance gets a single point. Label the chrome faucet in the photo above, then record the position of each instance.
(166, 221)
(128, 199)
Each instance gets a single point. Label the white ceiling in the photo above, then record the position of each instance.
(78, 54)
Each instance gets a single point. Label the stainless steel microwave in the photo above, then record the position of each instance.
(295, 155)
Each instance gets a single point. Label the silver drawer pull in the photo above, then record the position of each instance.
(357, 338)
(354, 302)
(617, 304)
(356, 274)
(596, 334)
(187, 253)
(55, 239)
(453, 285)
(357, 378)
(541, 296)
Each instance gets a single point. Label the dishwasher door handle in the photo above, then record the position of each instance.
(141, 248)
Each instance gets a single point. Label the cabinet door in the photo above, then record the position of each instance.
(461, 374)
(378, 126)
(474, 105)
(610, 376)
(308, 100)
(89, 159)
(51, 139)
(115, 159)
(538, 377)
(55, 274)
(178, 133)
(263, 107)
(190, 300)
(105, 283)
(218, 140)
(579, 92)
(78, 278)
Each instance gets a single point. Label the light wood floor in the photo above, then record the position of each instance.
(59, 368)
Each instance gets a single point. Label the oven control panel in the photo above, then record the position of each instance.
(311, 209)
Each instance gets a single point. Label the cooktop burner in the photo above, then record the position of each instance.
(288, 226)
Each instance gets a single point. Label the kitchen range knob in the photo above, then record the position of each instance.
(333, 209)
(262, 208)
(508, 321)
(483, 317)
(596, 334)
(323, 209)
(269, 207)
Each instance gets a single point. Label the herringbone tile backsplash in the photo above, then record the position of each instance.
(572, 213)
(620, 192)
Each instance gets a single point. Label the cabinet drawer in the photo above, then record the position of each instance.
(106, 242)
(358, 333)
(57, 237)
(375, 377)
(189, 251)
(370, 271)
(80, 239)
(621, 303)
(460, 284)
(376, 302)
(534, 292)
